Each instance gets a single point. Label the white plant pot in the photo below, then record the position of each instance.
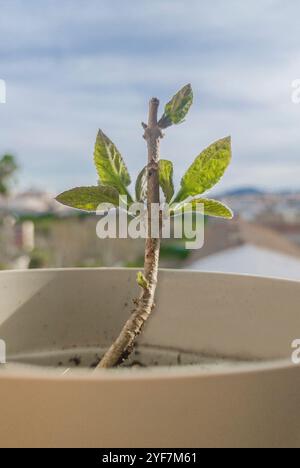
(246, 392)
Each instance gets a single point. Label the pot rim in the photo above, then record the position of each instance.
(186, 372)
(44, 373)
(164, 270)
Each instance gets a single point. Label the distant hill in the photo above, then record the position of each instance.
(242, 191)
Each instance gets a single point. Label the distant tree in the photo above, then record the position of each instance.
(8, 167)
(38, 259)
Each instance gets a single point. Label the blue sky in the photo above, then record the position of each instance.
(74, 66)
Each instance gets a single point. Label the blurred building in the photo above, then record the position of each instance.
(242, 247)
(37, 232)
(32, 202)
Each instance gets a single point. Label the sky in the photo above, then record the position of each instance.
(73, 66)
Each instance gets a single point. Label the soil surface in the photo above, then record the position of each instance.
(142, 357)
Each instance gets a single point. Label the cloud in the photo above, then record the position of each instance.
(74, 66)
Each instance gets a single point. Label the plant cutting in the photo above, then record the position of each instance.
(155, 178)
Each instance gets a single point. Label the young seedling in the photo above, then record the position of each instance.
(114, 179)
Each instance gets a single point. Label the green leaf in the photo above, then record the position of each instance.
(206, 170)
(165, 181)
(141, 280)
(89, 198)
(110, 166)
(166, 178)
(141, 186)
(211, 208)
(177, 108)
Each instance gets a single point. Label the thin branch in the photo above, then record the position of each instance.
(124, 344)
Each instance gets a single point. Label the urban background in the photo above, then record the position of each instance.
(71, 67)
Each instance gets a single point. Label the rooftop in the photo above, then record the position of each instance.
(242, 247)
(250, 259)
